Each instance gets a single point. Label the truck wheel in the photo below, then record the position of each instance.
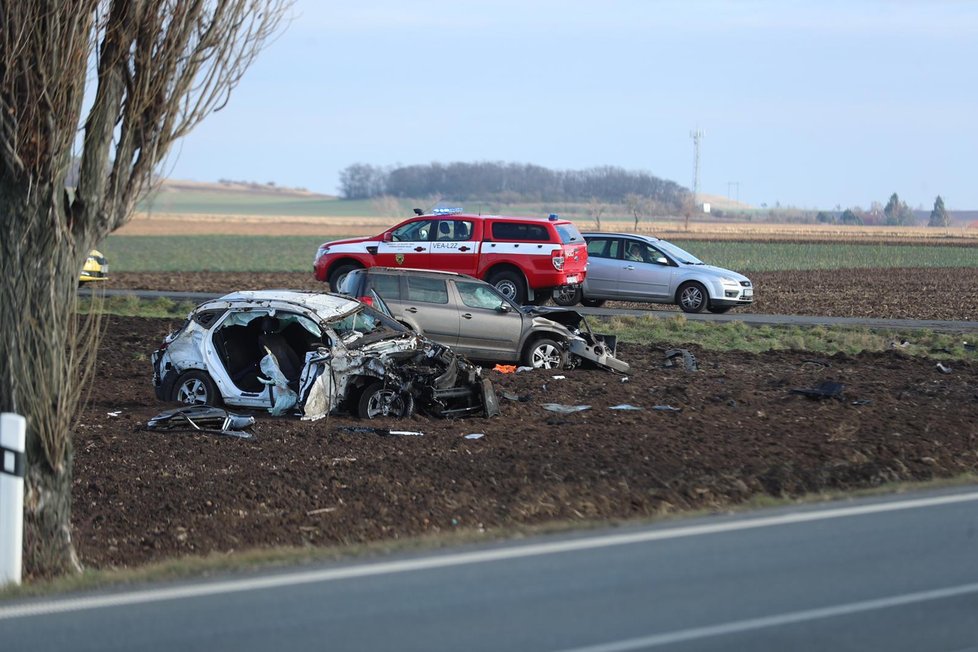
(339, 273)
(511, 285)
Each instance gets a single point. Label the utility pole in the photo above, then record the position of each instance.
(696, 135)
(735, 184)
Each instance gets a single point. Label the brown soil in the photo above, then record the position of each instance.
(934, 293)
(142, 496)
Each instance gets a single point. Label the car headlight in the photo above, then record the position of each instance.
(726, 280)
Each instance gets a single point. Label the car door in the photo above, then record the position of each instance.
(427, 302)
(645, 272)
(407, 245)
(603, 267)
(489, 327)
(454, 248)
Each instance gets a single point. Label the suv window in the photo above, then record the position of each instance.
(427, 290)
(519, 231)
(479, 295)
(387, 286)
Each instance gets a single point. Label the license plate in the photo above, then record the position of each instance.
(749, 292)
(571, 280)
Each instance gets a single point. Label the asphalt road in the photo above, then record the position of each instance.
(747, 318)
(895, 573)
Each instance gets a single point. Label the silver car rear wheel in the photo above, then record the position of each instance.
(196, 388)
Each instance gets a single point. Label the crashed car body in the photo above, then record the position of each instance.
(480, 322)
(313, 353)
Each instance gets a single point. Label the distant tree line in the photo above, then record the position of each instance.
(509, 182)
(895, 213)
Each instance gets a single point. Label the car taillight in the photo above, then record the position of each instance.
(557, 258)
(367, 300)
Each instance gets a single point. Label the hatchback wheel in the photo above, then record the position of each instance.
(567, 296)
(545, 354)
(196, 388)
(692, 297)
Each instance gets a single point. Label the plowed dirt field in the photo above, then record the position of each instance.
(729, 431)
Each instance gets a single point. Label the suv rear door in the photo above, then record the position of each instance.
(489, 328)
(428, 302)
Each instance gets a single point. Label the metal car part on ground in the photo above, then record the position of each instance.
(630, 267)
(313, 354)
(526, 258)
(479, 322)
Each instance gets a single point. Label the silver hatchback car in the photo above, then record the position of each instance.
(630, 267)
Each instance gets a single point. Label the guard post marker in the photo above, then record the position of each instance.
(13, 429)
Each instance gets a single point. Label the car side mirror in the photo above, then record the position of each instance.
(502, 308)
(662, 260)
(388, 237)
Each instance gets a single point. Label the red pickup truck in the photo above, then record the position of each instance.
(526, 258)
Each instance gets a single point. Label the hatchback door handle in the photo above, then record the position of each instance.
(467, 315)
(410, 310)
(629, 266)
(419, 248)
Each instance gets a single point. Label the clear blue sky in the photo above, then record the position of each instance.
(811, 104)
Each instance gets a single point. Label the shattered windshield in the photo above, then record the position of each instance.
(366, 322)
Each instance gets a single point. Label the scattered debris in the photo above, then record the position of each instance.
(475, 435)
(625, 406)
(813, 361)
(505, 368)
(624, 379)
(383, 432)
(114, 414)
(321, 510)
(666, 408)
(689, 360)
(827, 389)
(565, 409)
(559, 377)
(901, 345)
(944, 369)
(203, 418)
(862, 401)
(513, 396)
(968, 347)
(520, 370)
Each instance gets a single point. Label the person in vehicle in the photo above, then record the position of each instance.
(634, 253)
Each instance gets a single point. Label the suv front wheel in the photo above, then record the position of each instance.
(545, 353)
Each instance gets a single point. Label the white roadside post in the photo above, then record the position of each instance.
(13, 429)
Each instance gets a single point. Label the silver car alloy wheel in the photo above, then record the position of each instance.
(546, 357)
(193, 391)
(692, 298)
(385, 403)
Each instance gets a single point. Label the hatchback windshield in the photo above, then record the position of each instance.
(678, 253)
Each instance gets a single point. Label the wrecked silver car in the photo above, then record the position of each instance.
(312, 354)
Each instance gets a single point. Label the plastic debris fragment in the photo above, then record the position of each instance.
(944, 369)
(625, 406)
(565, 409)
(475, 435)
(666, 408)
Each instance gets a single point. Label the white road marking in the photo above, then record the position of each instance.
(460, 559)
(739, 626)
